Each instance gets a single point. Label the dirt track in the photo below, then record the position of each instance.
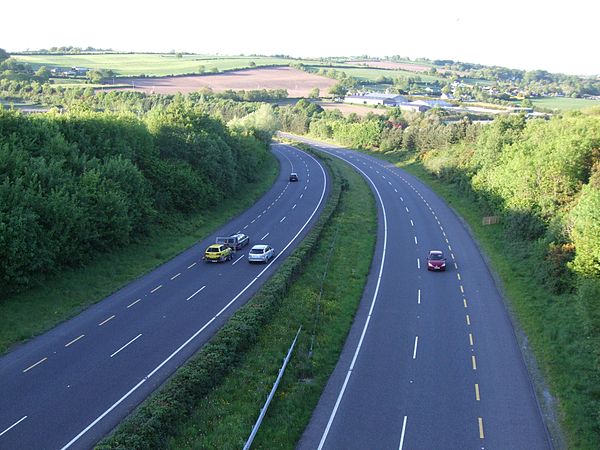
(296, 82)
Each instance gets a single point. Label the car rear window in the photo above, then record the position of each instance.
(257, 251)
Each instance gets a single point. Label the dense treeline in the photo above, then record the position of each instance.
(542, 178)
(73, 185)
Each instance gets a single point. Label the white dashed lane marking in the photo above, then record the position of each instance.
(37, 363)
(131, 304)
(130, 342)
(194, 294)
(14, 425)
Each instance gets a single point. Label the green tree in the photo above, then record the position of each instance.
(314, 93)
(3, 55)
(43, 74)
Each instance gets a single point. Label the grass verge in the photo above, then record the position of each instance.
(224, 417)
(30, 313)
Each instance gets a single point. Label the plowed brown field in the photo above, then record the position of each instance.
(296, 82)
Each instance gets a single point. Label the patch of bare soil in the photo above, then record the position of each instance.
(347, 108)
(296, 82)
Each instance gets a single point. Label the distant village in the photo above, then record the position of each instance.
(402, 102)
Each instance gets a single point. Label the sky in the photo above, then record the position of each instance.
(520, 34)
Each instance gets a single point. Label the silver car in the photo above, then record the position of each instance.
(261, 253)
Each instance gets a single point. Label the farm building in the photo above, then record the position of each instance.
(414, 106)
(375, 98)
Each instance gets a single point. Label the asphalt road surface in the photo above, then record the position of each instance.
(431, 361)
(71, 386)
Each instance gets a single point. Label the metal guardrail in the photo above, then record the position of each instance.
(263, 411)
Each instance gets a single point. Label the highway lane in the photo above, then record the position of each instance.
(431, 361)
(71, 386)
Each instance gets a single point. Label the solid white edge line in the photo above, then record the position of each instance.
(14, 425)
(194, 294)
(375, 294)
(182, 346)
(130, 342)
(402, 435)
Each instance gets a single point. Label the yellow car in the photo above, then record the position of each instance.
(217, 253)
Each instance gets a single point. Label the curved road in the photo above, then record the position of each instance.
(69, 387)
(431, 361)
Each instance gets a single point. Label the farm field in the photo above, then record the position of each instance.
(296, 82)
(564, 103)
(137, 64)
(407, 66)
(347, 109)
(372, 74)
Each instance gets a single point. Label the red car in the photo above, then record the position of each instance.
(436, 260)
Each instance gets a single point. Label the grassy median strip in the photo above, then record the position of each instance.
(224, 418)
(63, 296)
(213, 401)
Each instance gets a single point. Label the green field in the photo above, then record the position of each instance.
(136, 64)
(371, 74)
(564, 103)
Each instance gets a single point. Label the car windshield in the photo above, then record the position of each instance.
(436, 256)
(256, 251)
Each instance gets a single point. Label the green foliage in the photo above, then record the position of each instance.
(585, 218)
(73, 185)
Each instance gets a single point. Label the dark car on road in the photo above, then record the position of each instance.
(436, 260)
(293, 176)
